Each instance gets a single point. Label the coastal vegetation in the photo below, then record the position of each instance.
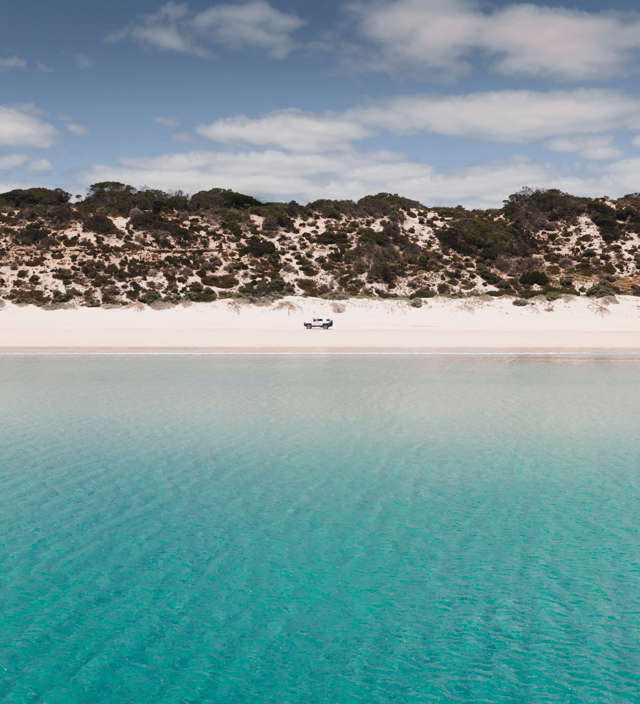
(120, 245)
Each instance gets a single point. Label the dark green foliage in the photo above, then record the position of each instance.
(377, 237)
(100, 224)
(261, 287)
(539, 209)
(478, 235)
(378, 206)
(220, 198)
(259, 247)
(33, 233)
(149, 296)
(605, 218)
(603, 288)
(385, 205)
(199, 293)
(337, 237)
(423, 293)
(118, 199)
(19, 198)
(367, 247)
(334, 209)
(531, 278)
(151, 222)
(488, 275)
(277, 221)
(224, 281)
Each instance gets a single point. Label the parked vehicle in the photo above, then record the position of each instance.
(324, 323)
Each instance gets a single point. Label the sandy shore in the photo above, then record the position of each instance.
(570, 324)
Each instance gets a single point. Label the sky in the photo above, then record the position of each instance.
(444, 101)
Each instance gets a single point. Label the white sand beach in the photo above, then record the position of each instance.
(482, 324)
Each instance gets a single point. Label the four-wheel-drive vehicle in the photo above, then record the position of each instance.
(324, 323)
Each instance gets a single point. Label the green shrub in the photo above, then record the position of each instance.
(423, 293)
(19, 198)
(603, 288)
(531, 278)
(218, 198)
(33, 233)
(259, 247)
(100, 224)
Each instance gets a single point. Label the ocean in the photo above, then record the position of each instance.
(194, 529)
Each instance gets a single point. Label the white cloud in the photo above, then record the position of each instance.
(636, 142)
(165, 29)
(292, 130)
(505, 116)
(502, 116)
(44, 68)
(76, 128)
(12, 161)
(11, 62)
(22, 126)
(253, 24)
(519, 39)
(274, 174)
(598, 147)
(167, 121)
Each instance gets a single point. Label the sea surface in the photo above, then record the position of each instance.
(193, 529)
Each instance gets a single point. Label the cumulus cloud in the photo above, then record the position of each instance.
(253, 24)
(22, 126)
(597, 147)
(505, 116)
(501, 116)
(275, 174)
(518, 39)
(12, 62)
(292, 130)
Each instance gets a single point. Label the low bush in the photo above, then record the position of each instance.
(531, 278)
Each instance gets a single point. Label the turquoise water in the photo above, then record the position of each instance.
(342, 529)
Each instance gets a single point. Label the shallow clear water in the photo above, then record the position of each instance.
(339, 529)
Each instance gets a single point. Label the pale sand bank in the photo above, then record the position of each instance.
(570, 324)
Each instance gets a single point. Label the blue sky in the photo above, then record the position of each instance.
(446, 101)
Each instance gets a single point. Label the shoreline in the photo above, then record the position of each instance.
(606, 354)
(571, 326)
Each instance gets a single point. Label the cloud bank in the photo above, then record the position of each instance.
(255, 24)
(444, 36)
